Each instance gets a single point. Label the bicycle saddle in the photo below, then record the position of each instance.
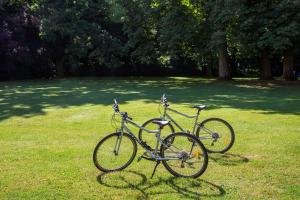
(200, 107)
(161, 123)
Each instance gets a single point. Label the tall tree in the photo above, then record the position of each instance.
(78, 30)
(268, 27)
(287, 29)
(221, 16)
(140, 30)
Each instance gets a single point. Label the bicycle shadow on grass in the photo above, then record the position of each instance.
(229, 159)
(185, 187)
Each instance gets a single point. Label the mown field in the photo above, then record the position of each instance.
(48, 130)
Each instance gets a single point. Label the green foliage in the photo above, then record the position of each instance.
(89, 34)
(140, 28)
(179, 26)
(272, 25)
(80, 27)
(160, 29)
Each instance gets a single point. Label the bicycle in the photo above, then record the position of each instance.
(216, 134)
(178, 151)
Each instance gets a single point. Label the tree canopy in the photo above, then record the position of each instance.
(224, 38)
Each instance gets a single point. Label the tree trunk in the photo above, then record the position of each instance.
(288, 65)
(265, 63)
(224, 72)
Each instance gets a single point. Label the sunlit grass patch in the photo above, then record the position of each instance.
(48, 130)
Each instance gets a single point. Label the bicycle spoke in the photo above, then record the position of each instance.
(220, 132)
(114, 152)
(186, 149)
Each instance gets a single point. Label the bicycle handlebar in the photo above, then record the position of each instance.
(115, 106)
(164, 100)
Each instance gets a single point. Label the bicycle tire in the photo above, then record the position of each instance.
(189, 138)
(104, 169)
(232, 134)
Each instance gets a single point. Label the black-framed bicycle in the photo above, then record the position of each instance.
(216, 134)
(181, 154)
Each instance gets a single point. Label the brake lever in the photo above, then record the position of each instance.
(126, 115)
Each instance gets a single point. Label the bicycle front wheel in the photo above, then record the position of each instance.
(114, 152)
(216, 134)
(184, 155)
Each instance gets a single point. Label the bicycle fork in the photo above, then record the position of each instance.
(118, 144)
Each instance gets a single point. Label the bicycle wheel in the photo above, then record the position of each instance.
(184, 154)
(148, 137)
(216, 134)
(114, 152)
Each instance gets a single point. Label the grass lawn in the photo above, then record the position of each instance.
(48, 130)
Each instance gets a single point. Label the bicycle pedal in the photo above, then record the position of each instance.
(139, 158)
(144, 155)
(190, 140)
(182, 165)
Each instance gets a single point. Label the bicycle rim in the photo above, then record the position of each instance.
(224, 135)
(191, 155)
(114, 152)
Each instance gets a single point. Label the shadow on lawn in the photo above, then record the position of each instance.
(228, 159)
(189, 188)
(26, 99)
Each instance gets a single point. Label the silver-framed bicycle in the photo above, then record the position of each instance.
(216, 134)
(181, 154)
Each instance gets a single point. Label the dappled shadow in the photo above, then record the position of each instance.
(26, 99)
(186, 187)
(228, 159)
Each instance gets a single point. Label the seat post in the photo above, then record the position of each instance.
(196, 121)
(157, 135)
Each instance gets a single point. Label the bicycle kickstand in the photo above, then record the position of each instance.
(156, 165)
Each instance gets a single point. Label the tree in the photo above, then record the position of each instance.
(140, 29)
(287, 29)
(23, 54)
(79, 34)
(152, 37)
(222, 16)
(268, 27)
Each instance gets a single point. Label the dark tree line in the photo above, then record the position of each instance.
(224, 38)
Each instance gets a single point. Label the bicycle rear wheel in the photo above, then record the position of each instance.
(114, 152)
(185, 155)
(216, 134)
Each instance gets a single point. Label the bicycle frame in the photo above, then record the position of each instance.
(196, 117)
(154, 155)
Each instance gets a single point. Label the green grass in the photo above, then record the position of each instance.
(48, 130)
